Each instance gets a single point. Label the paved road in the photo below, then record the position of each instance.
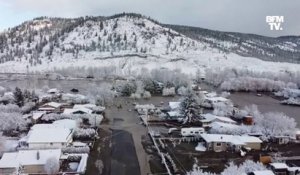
(124, 160)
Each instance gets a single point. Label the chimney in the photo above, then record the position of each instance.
(38, 155)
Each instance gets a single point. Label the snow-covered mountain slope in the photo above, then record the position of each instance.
(282, 49)
(126, 41)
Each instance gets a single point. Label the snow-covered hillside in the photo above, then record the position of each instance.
(126, 41)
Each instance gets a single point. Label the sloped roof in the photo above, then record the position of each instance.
(211, 117)
(72, 111)
(52, 104)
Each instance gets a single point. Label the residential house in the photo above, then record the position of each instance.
(51, 107)
(220, 142)
(27, 161)
(209, 118)
(45, 136)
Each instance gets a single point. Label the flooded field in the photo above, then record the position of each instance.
(265, 104)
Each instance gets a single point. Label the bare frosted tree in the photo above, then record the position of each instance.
(52, 165)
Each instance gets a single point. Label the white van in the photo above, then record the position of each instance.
(193, 131)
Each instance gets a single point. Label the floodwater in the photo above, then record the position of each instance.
(83, 85)
(265, 104)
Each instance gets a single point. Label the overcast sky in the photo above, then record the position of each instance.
(247, 16)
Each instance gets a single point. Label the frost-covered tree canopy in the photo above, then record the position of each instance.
(11, 118)
(271, 124)
(232, 169)
(246, 80)
(2, 144)
(246, 167)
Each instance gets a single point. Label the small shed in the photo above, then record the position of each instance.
(279, 168)
(298, 134)
(78, 111)
(37, 115)
(261, 172)
(282, 139)
(248, 120)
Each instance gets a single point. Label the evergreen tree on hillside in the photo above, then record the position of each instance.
(101, 26)
(19, 98)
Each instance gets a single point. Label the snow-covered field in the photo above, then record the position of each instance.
(188, 64)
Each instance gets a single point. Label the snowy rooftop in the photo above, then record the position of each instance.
(77, 110)
(89, 106)
(211, 94)
(279, 165)
(174, 114)
(211, 117)
(294, 169)
(53, 91)
(48, 134)
(174, 105)
(263, 172)
(219, 125)
(145, 106)
(84, 106)
(28, 157)
(52, 104)
(37, 114)
(65, 123)
(217, 99)
(234, 139)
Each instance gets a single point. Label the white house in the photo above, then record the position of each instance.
(47, 136)
(221, 142)
(28, 161)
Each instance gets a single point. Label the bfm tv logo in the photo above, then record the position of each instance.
(275, 22)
